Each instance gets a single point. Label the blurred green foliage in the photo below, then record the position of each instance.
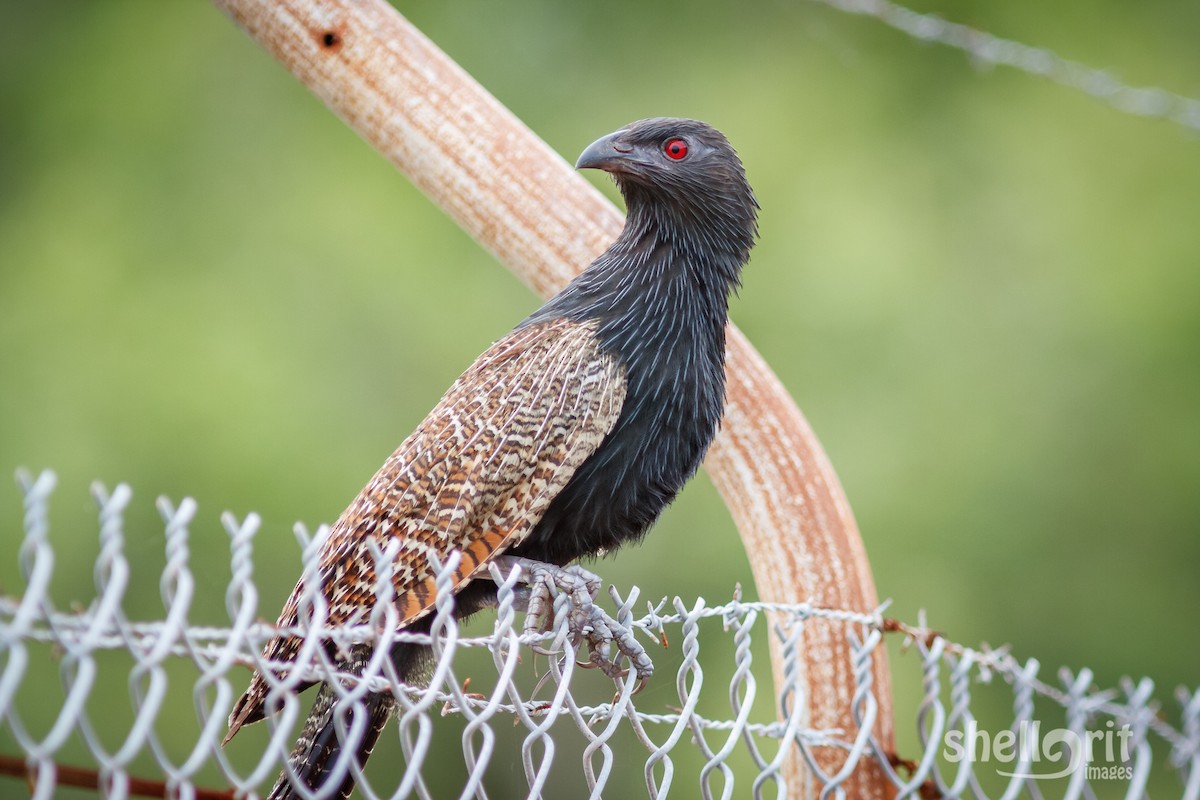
(982, 288)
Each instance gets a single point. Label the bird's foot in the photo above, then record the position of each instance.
(587, 621)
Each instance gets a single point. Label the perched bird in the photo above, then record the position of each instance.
(565, 439)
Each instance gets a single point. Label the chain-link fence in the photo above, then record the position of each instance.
(529, 720)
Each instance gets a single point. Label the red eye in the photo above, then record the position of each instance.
(676, 149)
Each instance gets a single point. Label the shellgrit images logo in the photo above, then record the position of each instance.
(1030, 752)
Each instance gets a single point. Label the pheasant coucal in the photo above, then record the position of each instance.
(565, 439)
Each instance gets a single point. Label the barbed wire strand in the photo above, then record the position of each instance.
(985, 48)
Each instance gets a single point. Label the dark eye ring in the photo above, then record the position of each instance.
(676, 149)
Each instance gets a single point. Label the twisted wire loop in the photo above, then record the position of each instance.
(521, 706)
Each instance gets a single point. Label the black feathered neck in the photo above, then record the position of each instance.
(703, 205)
(658, 298)
(653, 274)
(689, 228)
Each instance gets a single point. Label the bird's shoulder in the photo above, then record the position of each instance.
(480, 470)
(475, 477)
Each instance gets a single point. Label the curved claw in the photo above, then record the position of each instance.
(607, 667)
(641, 684)
(586, 621)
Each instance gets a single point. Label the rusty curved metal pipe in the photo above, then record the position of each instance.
(525, 204)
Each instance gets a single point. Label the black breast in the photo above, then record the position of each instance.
(666, 325)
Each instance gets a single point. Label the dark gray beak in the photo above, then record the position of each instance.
(605, 153)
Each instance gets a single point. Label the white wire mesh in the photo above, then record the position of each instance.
(542, 725)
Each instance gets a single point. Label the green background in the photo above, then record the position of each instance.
(982, 288)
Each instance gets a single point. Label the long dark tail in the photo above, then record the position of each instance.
(316, 761)
(319, 761)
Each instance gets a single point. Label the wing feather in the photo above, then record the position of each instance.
(476, 476)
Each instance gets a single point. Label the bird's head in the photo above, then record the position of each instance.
(683, 174)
